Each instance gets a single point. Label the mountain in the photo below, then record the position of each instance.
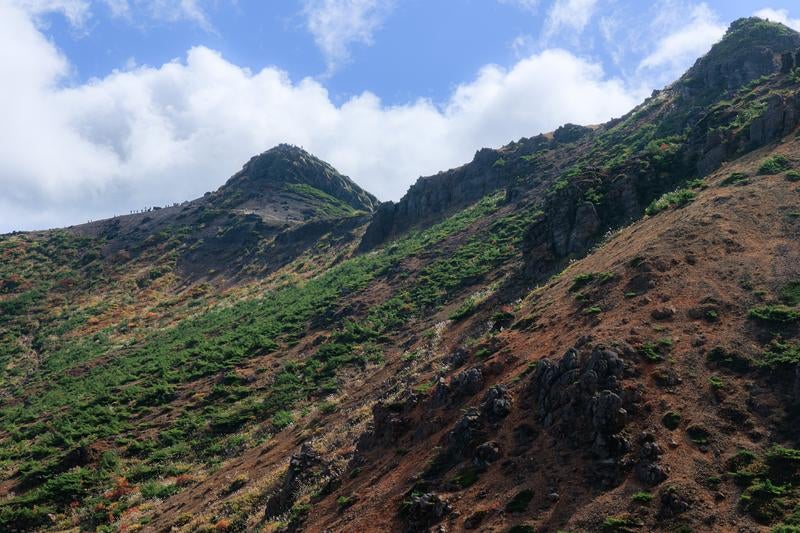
(269, 213)
(593, 329)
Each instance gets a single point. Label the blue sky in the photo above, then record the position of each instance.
(121, 104)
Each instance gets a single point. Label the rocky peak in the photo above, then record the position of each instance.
(287, 165)
(752, 47)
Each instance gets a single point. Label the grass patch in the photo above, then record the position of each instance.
(677, 198)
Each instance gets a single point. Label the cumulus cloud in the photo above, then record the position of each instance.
(686, 42)
(338, 24)
(156, 135)
(569, 14)
(779, 15)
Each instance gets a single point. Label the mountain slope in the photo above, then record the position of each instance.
(580, 330)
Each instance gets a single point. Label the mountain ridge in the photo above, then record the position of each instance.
(589, 330)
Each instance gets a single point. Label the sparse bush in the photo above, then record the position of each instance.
(678, 198)
(642, 497)
(793, 176)
(736, 178)
(774, 165)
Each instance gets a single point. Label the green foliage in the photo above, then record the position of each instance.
(154, 490)
(620, 524)
(595, 278)
(764, 501)
(282, 419)
(793, 176)
(345, 501)
(774, 165)
(677, 198)
(781, 354)
(736, 178)
(790, 293)
(652, 351)
(464, 310)
(775, 313)
(716, 382)
(325, 205)
(642, 497)
(466, 477)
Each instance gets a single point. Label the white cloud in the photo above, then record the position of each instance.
(675, 51)
(569, 14)
(529, 5)
(338, 24)
(779, 15)
(77, 12)
(118, 8)
(177, 10)
(151, 136)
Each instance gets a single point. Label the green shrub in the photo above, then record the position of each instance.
(774, 165)
(152, 490)
(678, 198)
(775, 313)
(781, 354)
(764, 501)
(790, 293)
(736, 178)
(793, 176)
(582, 280)
(620, 524)
(464, 310)
(345, 501)
(642, 497)
(466, 477)
(282, 419)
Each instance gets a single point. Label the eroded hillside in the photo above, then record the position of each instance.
(590, 330)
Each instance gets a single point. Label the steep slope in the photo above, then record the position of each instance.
(594, 329)
(276, 208)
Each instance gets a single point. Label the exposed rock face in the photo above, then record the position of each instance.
(305, 468)
(486, 454)
(389, 422)
(424, 510)
(750, 49)
(648, 471)
(582, 403)
(496, 403)
(437, 194)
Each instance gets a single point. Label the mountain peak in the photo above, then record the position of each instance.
(286, 166)
(752, 47)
